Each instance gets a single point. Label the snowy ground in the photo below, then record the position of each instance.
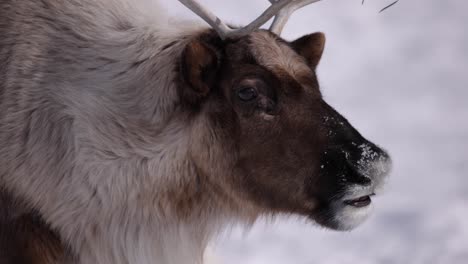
(401, 77)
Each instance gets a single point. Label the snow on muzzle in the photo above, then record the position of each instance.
(353, 169)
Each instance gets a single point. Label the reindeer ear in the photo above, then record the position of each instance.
(199, 66)
(310, 47)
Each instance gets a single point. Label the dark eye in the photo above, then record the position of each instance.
(247, 94)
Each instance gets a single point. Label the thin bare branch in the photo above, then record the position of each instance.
(390, 5)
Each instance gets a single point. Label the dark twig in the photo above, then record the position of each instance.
(390, 5)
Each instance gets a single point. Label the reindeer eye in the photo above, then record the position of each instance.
(247, 94)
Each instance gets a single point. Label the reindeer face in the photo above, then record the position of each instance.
(291, 152)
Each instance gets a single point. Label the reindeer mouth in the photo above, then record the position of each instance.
(360, 202)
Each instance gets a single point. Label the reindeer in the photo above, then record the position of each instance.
(127, 141)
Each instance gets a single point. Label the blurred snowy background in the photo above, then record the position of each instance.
(401, 78)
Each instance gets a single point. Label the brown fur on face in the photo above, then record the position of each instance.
(279, 142)
(276, 140)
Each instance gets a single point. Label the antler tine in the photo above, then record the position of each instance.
(210, 18)
(271, 11)
(225, 31)
(283, 15)
(281, 9)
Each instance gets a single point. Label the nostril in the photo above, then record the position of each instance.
(356, 178)
(363, 180)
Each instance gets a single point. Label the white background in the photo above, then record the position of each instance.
(401, 78)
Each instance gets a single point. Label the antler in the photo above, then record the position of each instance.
(281, 9)
(283, 15)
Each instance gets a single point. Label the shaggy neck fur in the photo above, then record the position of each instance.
(118, 154)
(142, 183)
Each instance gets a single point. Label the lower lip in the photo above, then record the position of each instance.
(359, 202)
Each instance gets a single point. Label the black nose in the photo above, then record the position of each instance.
(337, 162)
(354, 176)
(364, 164)
(367, 161)
(348, 154)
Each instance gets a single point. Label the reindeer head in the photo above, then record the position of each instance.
(271, 140)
